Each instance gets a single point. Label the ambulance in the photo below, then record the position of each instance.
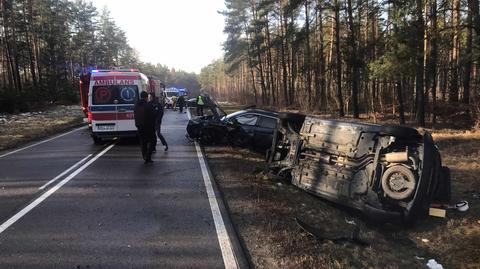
(112, 95)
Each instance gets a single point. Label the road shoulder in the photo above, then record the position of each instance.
(264, 210)
(23, 128)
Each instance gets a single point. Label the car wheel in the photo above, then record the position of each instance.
(444, 191)
(398, 182)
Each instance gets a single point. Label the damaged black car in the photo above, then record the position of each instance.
(249, 128)
(384, 171)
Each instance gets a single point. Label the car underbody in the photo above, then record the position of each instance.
(384, 171)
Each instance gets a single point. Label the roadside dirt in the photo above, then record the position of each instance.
(20, 128)
(263, 210)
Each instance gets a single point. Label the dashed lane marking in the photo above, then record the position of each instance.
(46, 194)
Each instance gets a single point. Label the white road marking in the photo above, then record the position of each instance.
(64, 172)
(45, 195)
(41, 142)
(222, 234)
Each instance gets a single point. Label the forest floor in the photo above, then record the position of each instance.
(16, 129)
(264, 211)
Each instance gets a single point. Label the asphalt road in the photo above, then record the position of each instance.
(110, 210)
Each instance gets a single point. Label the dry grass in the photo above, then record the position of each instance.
(264, 212)
(16, 129)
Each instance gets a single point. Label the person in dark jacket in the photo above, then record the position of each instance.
(159, 110)
(181, 103)
(145, 123)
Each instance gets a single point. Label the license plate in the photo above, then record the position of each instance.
(105, 127)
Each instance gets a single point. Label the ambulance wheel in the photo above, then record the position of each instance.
(97, 140)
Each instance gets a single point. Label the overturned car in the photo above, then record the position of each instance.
(384, 171)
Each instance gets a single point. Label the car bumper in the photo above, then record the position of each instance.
(114, 134)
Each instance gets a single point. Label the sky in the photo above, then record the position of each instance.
(182, 34)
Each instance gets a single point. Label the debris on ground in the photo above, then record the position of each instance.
(432, 264)
(462, 206)
(351, 222)
(437, 212)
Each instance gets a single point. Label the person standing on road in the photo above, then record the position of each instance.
(181, 103)
(174, 102)
(159, 111)
(145, 123)
(200, 105)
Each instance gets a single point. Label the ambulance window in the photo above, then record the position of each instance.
(114, 94)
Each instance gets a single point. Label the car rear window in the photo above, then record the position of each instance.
(268, 122)
(114, 94)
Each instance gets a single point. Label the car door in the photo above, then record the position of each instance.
(244, 130)
(263, 133)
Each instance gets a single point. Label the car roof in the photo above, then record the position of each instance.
(262, 112)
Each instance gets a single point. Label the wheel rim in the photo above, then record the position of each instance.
(398, 182)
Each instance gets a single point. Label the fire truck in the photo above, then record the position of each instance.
(108, 98)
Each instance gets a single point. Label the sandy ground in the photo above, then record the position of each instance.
(263, 209)
(16, 129)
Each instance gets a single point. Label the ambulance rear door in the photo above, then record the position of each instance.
(128, 92)
(103, 94)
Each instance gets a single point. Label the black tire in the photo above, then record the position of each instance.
(97, 140)
(444, 190)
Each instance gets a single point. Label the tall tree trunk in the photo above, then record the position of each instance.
(338, 66)
(431, 74)
(453, 89)
(330, 64)
(28, 33)
(258, 54)
(320, 83)
(284, 50)
(468, 55)
(401, 109)
(419, 64)
(308, 57)
(353, 60)
(269, 61)
(293, 64)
